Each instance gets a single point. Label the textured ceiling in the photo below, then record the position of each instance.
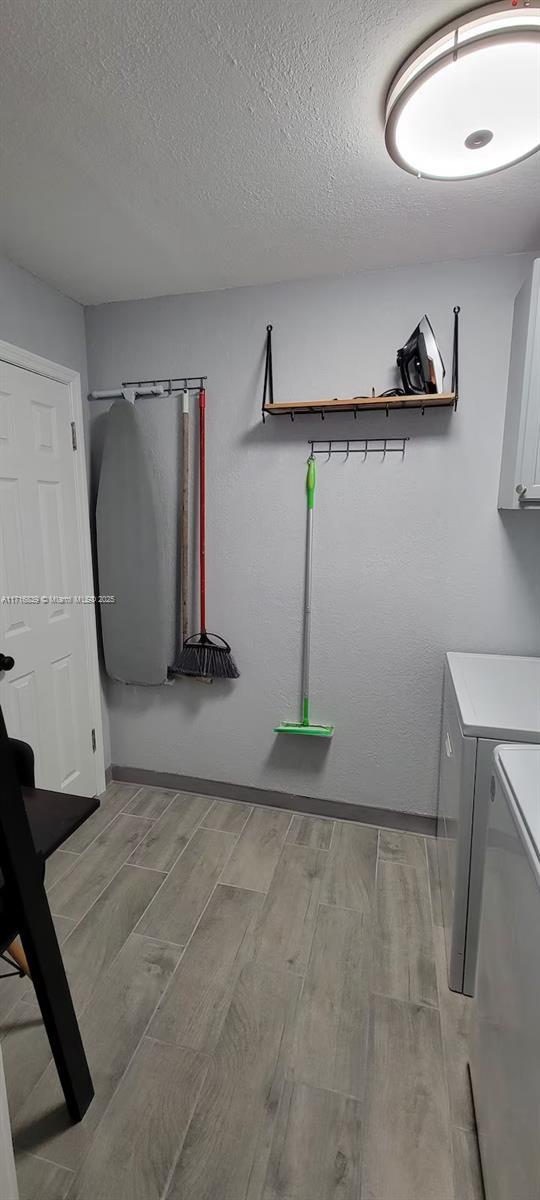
(158, 146)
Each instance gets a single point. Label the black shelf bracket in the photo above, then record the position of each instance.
(455, 356)
(268, 388)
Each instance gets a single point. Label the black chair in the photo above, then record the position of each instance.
(33, 823)
(52, 816)
(23, 761)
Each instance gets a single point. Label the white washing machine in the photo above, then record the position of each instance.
(505, 1038)
(487, 699)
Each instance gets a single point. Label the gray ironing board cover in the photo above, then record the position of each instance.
(130, 554)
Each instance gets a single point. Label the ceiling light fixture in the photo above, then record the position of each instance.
(467, 102)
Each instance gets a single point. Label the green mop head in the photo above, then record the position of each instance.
(309, 730)
(305, 726)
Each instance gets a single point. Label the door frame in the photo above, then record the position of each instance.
(18, 357)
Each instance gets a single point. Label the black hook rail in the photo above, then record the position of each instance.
(365, 446)
(174, 382)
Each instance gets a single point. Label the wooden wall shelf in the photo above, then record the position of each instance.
(362, 404)
(356, 404)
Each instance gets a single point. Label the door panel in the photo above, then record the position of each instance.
(46, 697)
(65, 725)
(12, 566)
(45, 432)
(25, 723)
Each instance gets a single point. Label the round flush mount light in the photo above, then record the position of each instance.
(467, 102)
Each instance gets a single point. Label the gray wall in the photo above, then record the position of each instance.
(40, 319)
(412, 558)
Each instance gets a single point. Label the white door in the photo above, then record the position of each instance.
(8, 1178)
(44, 542)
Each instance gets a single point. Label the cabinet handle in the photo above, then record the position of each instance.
(521, 492)
(448, 746)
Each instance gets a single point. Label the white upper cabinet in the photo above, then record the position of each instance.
(520, 469)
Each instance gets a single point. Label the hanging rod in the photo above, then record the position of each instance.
(365, 446)
(126, 393)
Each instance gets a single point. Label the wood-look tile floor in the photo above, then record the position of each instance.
(264, 1006)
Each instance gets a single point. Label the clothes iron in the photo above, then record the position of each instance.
(420, 363)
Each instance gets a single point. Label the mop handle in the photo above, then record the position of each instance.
(310, 490)
(202, 505)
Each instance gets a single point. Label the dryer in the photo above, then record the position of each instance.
(487, 699)
(505, 1036)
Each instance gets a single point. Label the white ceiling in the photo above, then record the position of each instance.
(160, 146)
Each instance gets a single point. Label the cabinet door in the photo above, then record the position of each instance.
(530, 470)
(520, 466)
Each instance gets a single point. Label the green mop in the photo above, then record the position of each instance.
(305, 725)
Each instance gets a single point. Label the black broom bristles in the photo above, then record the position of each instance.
(205, 659)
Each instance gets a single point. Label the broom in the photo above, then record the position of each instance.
(205, 655)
